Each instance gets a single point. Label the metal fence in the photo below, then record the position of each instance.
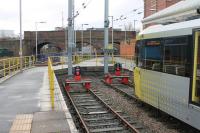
(9, 66)
(94, 60)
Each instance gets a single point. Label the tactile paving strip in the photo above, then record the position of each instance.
(22, 124)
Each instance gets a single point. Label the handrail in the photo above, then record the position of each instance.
(94, 60)
(12, 65)
(51, 81)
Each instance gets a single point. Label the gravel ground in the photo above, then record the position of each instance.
(145, 114)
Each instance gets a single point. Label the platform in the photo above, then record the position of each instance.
(27, 95)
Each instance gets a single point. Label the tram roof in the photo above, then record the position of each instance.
(176, 29)
(180, 11)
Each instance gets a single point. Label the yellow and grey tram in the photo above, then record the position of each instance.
(167, 72)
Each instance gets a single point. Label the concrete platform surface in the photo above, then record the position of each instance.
(20, 95)
(50, 122)
(27, 94)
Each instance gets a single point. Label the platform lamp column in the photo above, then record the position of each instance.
(106, 25)
(112, 30)
(125, 34)
(134, 21)
(36, 38)
(134, 24)
(20, 48)
(70, 41)
(91, 40)
(82, 38)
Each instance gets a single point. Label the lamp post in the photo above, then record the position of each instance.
(106, 35)
(124, 31)
(75, 40)
(134, 24)
(82, 38)
(134, 21)
(112, 28)
(70, 36)
(36, 38)
(20, 19)
(91, 40)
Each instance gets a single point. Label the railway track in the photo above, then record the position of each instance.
(95, 115)
(128, 93)
(126, 90)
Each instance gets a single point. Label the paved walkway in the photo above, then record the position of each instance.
(18, 95)
(27, 93)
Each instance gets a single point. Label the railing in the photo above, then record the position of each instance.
(95, 60)
(10, 66)
(51, 81)
(82, 61)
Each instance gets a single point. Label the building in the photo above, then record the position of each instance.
(153, 6)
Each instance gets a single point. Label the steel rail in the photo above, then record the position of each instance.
(116, 114)
(77, 112)
(118, 90)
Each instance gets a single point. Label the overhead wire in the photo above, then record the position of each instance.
(84, 5)
(127, 15)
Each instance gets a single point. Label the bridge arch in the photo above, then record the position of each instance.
(48, 48)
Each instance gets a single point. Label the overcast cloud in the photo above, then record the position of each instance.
(51, 12)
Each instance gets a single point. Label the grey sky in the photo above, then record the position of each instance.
(51, 12)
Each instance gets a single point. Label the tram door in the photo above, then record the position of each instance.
(196, 69)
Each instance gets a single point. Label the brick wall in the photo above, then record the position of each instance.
(127, 49)
(153, 6)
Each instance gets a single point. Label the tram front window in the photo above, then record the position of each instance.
(151, 55)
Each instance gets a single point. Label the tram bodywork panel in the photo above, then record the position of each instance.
(168, 93)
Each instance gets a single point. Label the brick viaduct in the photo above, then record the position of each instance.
(57, 39)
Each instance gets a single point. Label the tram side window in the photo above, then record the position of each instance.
(151, 55)
(137, 51)
(175, 56)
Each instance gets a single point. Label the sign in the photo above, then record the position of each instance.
(153, 43)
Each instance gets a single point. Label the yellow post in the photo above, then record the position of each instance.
(18, 65)
(51, 81)
(125, 61)
(24, 62)
(9, 66)
(52, 89)
(194, 88)
(14, 64)
(28, 61)
(78, 58)
(96, 58)
(33, 60)
(113, 62)
(62, 61)
(4, 67)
